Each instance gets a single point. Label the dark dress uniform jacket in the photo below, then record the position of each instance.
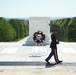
(54, 41)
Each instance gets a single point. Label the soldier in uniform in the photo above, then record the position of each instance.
(53, 47)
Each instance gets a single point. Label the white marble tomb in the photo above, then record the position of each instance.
(39, 24)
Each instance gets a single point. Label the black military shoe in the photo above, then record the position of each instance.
(59, 62)
(47, 61)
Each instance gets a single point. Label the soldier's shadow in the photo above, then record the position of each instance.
(48, 65)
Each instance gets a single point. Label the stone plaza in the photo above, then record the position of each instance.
(17, 59)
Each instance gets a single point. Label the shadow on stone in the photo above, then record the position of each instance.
(48, 65)
(22, 63)
(34, 63)
(31, 44)
(34, 56)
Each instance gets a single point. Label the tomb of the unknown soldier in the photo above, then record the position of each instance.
(39, 24)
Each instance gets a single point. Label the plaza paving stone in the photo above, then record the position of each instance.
(18, 59)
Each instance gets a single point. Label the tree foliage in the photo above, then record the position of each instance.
(66, 28)
(7, 32)
(20, 27)
(13, 29)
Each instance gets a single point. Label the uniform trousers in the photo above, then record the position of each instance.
(53, 52)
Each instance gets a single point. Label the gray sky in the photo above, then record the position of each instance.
(37, 8)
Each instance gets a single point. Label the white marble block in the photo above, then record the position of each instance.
(39, 24)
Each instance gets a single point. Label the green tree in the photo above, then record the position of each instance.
(20, 26)
(7, 32)
(72, 30)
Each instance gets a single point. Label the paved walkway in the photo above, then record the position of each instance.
(16, 59)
